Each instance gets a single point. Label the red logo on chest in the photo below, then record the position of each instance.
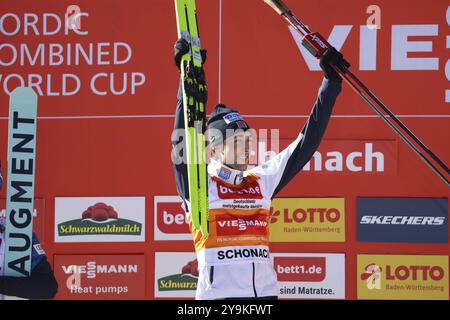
(247, 191)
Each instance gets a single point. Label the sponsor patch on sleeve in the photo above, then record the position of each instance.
(224, 173)
(38, 249)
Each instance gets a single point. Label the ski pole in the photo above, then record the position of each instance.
(316, 44)
(396, 130)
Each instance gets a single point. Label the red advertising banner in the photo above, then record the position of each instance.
(171, 218)
(90, 277)
(307, 269)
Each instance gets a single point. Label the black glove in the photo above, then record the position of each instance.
(181, 47)
(332, 57)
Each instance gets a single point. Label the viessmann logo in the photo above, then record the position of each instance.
(91, 269)
(228, 224)
(99, 219)
(242, 224)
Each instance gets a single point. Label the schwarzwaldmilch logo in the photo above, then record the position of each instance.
(187, 280)
(99, 219)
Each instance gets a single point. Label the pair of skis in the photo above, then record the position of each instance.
(317, 45)
(194, 107)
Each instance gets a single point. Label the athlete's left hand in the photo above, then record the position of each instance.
(181, 47)
(335, 58)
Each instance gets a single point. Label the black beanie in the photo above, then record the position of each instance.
(223, 119)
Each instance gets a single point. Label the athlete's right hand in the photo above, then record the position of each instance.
(181, 47)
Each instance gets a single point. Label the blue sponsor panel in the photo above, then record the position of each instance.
(413, 220)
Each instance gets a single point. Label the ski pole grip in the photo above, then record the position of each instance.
(315, 44)
(278, 6)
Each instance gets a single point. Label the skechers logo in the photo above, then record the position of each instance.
(403, 220)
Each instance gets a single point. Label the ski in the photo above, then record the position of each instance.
(194, 106)
(20, 182)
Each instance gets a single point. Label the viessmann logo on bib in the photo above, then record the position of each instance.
(250, 191)
(229, 224)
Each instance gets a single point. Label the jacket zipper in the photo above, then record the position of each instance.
(211, 275)
(254, 286)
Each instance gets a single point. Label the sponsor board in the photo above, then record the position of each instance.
(354, 157)
(310, 275)
(415, 277)
(170, 221)
(100, 219)
(411, 220)
(307, 220)
(100, 276)
(176, 274)
(349, 157)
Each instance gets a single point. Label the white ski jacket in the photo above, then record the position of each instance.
(234, 261)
